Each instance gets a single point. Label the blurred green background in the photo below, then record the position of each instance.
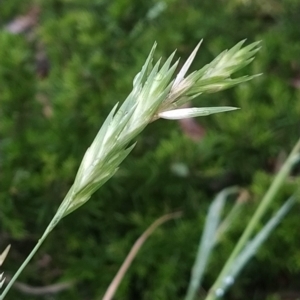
(63, 66)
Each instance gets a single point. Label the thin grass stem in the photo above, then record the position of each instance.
(263, 206)
(111, 290)
(28, 259)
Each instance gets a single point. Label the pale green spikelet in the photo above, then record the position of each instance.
(155, 94)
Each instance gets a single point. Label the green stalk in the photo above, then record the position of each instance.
(265, 203)
(29, 257)
(55, 220)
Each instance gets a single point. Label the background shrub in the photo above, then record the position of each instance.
(58, 80)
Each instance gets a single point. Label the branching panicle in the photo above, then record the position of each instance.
(155, 95)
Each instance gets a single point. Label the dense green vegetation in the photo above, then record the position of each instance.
(58, 81)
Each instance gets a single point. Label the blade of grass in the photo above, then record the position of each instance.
(133, 252)
(4, 254)
(207, 241)
(252, 247)
(2, 258)
(232, 215)
(263, 206)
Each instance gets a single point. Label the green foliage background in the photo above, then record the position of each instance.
(94, 48)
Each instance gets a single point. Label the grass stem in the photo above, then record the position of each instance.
(263, 206)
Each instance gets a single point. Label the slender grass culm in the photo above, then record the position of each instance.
(249, 242)
(155, 95)
(247, 245)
